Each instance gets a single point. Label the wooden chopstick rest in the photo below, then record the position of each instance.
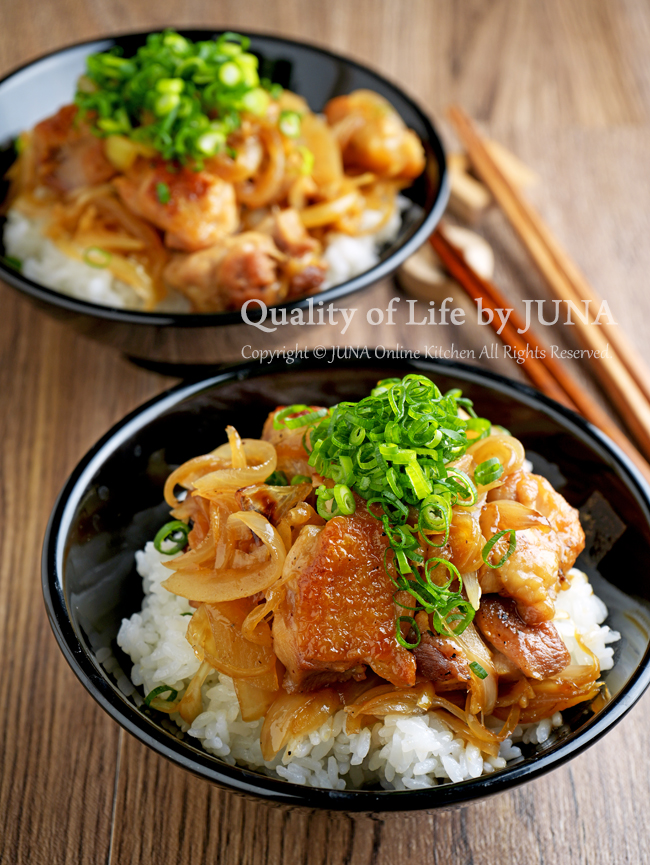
(424, 276)
(469, 197)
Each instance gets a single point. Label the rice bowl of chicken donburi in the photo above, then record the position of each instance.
(181, 178)
(379, 595)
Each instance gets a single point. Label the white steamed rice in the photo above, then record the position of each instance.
(46, 264)
(400, 753)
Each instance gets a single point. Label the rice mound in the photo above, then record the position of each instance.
(400, 753)
(43, 262)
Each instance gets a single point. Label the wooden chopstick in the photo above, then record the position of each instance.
(547, 373)
(622, 373)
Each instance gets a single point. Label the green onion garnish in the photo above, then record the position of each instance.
(289, 124)
(161, 689)
(180, 97)
(295, 416)
(398, 632)
(487, 549)
(339, 498)
(300, 479)
(393, 449)
(277, 479)
(13, 263)
(187, 614)
(307, 160)
(174, 533)
(478, 670)
(96, 257)
(162, 193)
(488, 471)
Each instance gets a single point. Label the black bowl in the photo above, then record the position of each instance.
(112, 504)
(35, 91)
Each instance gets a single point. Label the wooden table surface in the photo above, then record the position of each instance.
(566, 85)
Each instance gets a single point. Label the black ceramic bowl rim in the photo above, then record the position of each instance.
(248, 782)
(363, 280)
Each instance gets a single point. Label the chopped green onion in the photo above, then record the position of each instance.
(187, 614)
(170, 93)
(174, 532)
(96, 257)
(295, 416)
(277, 479)
(307, 160)
(478, 670)
(14, 263)
(488, 471)
(487, 549)
(256, 101)
(289, 124)
(170, 85)
(344, 499)
(230, 74)
(398, 632)
(393, 449)
(161, 689)
(162, 193)
(300, 479)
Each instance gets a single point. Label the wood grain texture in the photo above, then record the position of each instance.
(567, 87)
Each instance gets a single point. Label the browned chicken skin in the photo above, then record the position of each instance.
(67, 155)
(338, 613)
(538, 650)
(201, 209)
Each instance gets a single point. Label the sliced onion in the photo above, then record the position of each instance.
(473, 588)
(295, 715)
(191, 705)
(507, 449)
(294, 563)
(262, 461)
(186, 474)
(211, 585)
(254, 702)
(236, 448)
(218, 641)
(484, 691)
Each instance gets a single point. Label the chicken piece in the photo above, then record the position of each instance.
(288, 233)
(292, 456)
(439, 659)
(305, 275)
(536, 492)
(530, 574)
(272, 502)
(538, 650)
(201, 209)
(225, 276)
(67, 155)
(338, 613)
(373, 137)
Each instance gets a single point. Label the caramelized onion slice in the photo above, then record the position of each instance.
(262, 461)
(218, 641)
(506, 448)
(484, 691)
(212, 586)
(191, 705)
(292, 716)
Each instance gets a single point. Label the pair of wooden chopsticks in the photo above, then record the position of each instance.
(622, 373)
